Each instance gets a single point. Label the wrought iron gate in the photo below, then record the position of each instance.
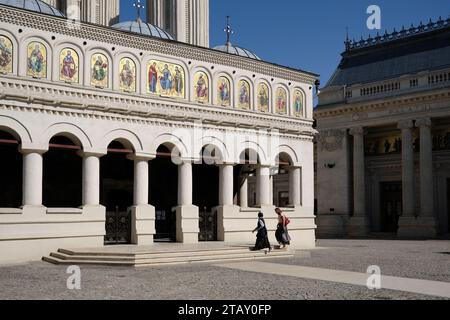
(208, 225)
(118, 227)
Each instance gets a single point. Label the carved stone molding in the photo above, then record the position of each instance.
(331, 140)
(423, 122)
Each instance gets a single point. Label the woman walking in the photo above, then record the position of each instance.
(282, 233)
(262, 239)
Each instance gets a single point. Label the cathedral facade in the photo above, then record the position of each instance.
(383, 152)
(131, 132)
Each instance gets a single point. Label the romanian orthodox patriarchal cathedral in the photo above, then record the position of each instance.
(135, 132)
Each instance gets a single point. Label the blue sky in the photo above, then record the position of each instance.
(307, 35)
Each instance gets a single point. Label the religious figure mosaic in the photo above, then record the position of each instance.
(165, 79)
(281, 101)
(298, 103)
(6, 55)
(201, 87)
(263, 97)
(69, 66)
(37, 60)
(244, 95)
(224, 92)
(127, 75)
(100, 70)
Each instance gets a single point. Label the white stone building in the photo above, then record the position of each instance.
(383, 152)
(107, 134)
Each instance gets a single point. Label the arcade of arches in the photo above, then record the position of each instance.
(144, 199)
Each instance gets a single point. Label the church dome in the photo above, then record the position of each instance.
(237, 51)
(33, 5)
(141, 27)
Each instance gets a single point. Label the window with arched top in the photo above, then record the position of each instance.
(224, 92)
(281, 101)
(36, 60)
(6, 55)
(127, 75)
(244, 94)
(298, 104)
(263, 98)
(201, 87)
(99, 70)
(69, 65)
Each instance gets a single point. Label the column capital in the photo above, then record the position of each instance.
(405, 124)
(423, 122)
(357, 131)
(86, 154)
(34, 150)
(140, 157)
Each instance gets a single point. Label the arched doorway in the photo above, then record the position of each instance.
(206, 191)
(10, 171)
(245, 175)
(116, 192)
(62, 174)
(163, 189)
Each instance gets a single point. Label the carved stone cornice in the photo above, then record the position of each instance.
(423, 122)
(144, 109)
(113, 37)
(357, 131)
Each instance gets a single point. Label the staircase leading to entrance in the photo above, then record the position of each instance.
(128, 256)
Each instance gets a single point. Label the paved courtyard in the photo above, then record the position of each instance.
(426, 260)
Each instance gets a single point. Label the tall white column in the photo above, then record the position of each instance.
(32, 178)
(243, 194)
(185, 184)
(426, 168)
(295, 187)
(407, 167)
(140, 181)
(359, 186)
(263, 186)
(226, 185)
(91, 179)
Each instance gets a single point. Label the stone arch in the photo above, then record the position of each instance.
(23, 55)
(126, 137)
(170, 140)
(15, 48)
(289, 152)
(255, 147)
(70, 131)
(15, 128)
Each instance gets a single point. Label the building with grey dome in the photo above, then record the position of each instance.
(136, 132)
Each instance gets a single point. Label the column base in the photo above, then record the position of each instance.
(420, 227)
(357, 227)
(225, 221)
(331, 225)
(34, 211)
(187, 224)
(142, 225)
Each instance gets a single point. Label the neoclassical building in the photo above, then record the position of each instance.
(383, 150)
(137, 132)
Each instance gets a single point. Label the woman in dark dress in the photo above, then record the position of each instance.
(282, 233)
(262, 239)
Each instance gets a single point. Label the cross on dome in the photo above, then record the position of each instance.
(228, 30)
(138, 5)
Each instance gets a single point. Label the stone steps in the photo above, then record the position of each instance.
(160, 258)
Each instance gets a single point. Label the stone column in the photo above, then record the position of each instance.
(32, 178)
(187, 215)
(263, 186)
(226, 185)
(427, 218)
(295, 187)
(243, 194)
(358, 223)
(142, 214)
(407, 167)
(140, 181)
(91, 179)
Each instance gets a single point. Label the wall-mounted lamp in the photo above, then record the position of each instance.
(330, 165)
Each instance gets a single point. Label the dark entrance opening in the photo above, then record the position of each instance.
(391, 206)
(448, 205)
(116, 172)
(62, 174)
(163, 190)
(10, 171)
(206, 193)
